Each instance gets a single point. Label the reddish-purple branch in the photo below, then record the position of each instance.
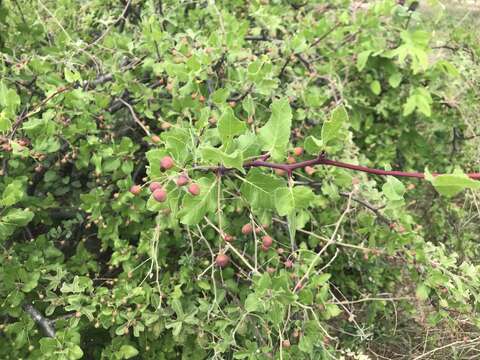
(322, 160)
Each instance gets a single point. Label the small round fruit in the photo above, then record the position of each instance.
(298, 151)
(165, 125)
(280, 172)
(155, 139)
(288, 264)
(247, 229)
(182, 180)
(166, 163)
(286, 343)
(154, 186)
(222, 260)
(194, 189)
(160, 195)
(291, 160)
(136, 189)
(228, 238)
(309, 170)
(267, 241)
(265, 248)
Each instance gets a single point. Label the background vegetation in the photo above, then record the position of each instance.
(327, 263)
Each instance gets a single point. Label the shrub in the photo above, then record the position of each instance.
(311, 226)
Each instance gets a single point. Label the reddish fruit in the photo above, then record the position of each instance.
(232, 104)
(309, 170)
(267, 241)
(265, 248)
(136, 189)
(265, 226)
(258, 230)
(247, 229)
(250, 120)
(201, 98)
(182, 180)
(228, 238)
(270, 270)
(166, 163)
(280, 172)
(222, 260)
(160, 195)
(286, 343)
(154, 186)
(298, 151)
(288, 264)
(155, 139)
(291, 160)
(194, 189)
(165, 125)
(299, 286)
(280, 251)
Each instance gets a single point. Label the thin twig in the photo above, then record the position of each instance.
(137, 120)
(324, 248)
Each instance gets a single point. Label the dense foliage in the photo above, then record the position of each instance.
(143, 212)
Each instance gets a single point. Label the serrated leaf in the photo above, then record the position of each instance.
(420, 100)
(312, 145)
(422, 292)
(229, 126)
(216, 156)
(331, 128)
(253, 303)
(275, 134)
(393, 189)
(451, 184)
(259, 188)
(289, 199)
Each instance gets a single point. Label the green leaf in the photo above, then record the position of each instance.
(313, 145)
(375, 87)
(451, 184)
(220, 96)
(194, 208)
(331, 310)
(229, 126)
(13, 219)
(422, 292)
(75, 352)
(216, 156)
(259, 188)
(362, 59)
(395, 79)
(9, 99)
(127, 352)
(275, 134)
(253, 303)
(420, 100)
(393, 189)
(288, 199)
(13, 193)
(331, 128)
